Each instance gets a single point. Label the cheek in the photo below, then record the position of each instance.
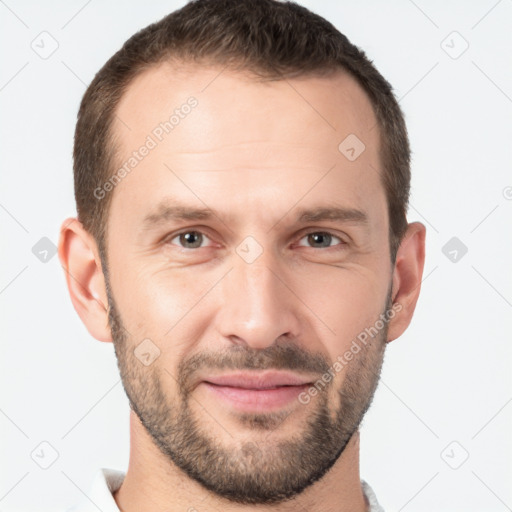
(161, 304)
(343, 303)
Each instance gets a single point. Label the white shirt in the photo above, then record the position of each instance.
(107, 481)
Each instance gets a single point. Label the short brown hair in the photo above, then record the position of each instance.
(269, 38)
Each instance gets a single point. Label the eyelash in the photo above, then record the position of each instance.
(342, 242)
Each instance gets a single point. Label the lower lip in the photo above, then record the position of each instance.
(256, 399)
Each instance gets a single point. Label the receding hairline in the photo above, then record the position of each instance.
(245, 71)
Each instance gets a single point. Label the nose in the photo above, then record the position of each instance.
(258, 304)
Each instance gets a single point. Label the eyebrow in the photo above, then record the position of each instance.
(335, 213)
(171, 211)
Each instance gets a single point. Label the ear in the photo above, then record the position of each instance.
(79, 257)
(407, 274)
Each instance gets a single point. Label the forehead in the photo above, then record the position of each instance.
(261, 139)
(243, 106)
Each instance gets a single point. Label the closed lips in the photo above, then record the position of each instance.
(259, 381)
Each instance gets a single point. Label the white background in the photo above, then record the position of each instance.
(446, 379)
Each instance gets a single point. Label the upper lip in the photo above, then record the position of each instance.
(258, 379)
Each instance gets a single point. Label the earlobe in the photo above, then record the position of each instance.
(407, 277)
(80, 260)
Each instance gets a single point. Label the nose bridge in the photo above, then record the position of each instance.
(257, 306)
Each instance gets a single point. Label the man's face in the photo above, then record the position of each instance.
(257, 287)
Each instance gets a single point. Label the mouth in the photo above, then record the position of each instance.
(257, 391)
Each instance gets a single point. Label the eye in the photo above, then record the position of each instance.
(321, 239)
(189, 239)
(193, 239)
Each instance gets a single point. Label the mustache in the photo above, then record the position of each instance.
(284, 356)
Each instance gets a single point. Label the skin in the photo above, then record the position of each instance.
(255, 153)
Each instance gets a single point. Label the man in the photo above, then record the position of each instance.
(242, 181)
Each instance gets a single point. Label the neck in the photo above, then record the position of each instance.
(153, 482)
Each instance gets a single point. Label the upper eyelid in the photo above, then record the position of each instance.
(323, 231)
